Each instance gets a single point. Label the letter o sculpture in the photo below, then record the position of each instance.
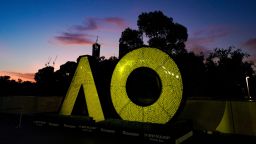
(164, 108)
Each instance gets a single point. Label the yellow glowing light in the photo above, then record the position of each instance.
(169, 101)
(83, 77)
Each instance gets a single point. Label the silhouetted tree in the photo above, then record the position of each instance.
(27, 88)
(162, 32)
(130, 39)
(44, 75)
(221, 74)
(10, 87)
(170, 37)
(226, 72)
(192, 70)
(55, 83)
(5, 85)
(45, 80)
(63, 77)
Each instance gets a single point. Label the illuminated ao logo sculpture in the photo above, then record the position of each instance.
(161, 111)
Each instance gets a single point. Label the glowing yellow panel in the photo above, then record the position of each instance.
(171, 95)
(83, 77)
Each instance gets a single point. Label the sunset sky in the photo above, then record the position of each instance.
(34, 31)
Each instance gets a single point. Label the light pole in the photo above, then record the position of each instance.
(247, 84)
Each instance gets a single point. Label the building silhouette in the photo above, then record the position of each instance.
(96, 49)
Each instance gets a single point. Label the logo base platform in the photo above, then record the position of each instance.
(173, 133)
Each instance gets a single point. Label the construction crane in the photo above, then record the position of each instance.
(48, 62)
(53, 63)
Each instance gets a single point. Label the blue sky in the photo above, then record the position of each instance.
(31, 31)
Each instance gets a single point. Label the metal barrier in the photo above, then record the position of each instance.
(227, 116)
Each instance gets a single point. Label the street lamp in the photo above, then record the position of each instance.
(247, 84)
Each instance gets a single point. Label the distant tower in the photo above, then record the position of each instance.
(96, 49)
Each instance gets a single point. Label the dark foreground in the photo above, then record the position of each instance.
(73, 130)
(54, 136)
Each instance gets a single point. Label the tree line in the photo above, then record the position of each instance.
(223, 73)
(220, 74)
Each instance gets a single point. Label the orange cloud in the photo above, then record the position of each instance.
(74, 39)
(116, 21)
(15, 76)
(79, 34)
